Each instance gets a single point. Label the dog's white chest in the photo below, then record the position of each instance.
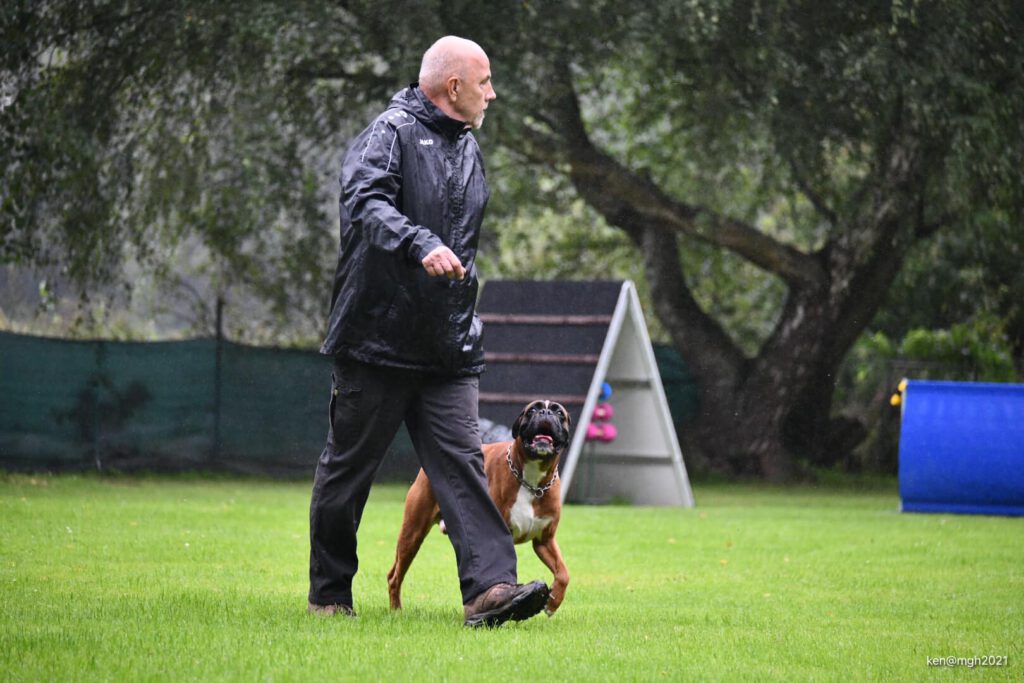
(525, 525)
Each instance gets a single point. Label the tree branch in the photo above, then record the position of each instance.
(894, 215)
(707, 348)
(812, 195)
(610, 186)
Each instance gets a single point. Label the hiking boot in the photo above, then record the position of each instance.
(506, 601)
(331, 610)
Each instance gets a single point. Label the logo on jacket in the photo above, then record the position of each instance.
(428, 141)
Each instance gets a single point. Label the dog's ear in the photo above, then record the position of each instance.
(568, 417)
(518, 424)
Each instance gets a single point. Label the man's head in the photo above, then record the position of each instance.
(456, 76)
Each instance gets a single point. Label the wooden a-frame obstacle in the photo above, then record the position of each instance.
(564, 341)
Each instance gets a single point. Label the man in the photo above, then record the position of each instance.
(406, 340)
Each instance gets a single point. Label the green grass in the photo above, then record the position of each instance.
(190, 579)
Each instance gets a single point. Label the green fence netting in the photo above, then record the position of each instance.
(202, 404)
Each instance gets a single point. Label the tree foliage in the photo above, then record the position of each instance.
(183, 131)
(818, 143)
(770, 166)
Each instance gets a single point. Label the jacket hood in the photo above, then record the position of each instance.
(413, 100)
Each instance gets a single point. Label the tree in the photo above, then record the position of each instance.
(181, 131)
(875, 126)
(963, 275)
(803, 147)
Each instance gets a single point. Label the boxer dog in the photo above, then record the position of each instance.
(522, 477)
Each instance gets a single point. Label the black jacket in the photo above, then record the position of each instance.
(412, 181)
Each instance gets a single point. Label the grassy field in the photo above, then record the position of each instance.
(190, 579)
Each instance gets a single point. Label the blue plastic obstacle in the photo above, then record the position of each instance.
(962, 448)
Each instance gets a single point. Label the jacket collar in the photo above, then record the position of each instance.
(419, 105)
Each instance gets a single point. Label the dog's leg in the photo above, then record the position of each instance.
(421, 512)
(551, 555)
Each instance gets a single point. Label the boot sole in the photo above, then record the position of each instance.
(522, 607)
(331, 610)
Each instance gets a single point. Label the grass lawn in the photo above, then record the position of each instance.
(192, 579)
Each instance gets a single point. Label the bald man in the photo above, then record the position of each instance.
(405, 338)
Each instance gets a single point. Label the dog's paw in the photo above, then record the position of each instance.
(550, 612)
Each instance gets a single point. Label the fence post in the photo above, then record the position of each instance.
(218, 353)
(97, 423)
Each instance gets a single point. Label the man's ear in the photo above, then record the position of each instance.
(453, 88)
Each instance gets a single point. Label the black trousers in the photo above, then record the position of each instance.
(368, 404)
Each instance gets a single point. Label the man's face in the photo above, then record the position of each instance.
(475, 91)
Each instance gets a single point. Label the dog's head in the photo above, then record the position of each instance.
(542, 429)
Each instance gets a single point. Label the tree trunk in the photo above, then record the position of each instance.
(746, 403)
(762, 416)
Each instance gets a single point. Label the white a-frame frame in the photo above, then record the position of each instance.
(644, 464)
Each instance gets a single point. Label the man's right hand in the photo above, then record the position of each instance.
(443, 261)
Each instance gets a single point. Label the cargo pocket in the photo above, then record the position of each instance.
(330, 410)
(343, 394)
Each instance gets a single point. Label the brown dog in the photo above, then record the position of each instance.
(522, 477)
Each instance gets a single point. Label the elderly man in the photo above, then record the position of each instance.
(405, 338)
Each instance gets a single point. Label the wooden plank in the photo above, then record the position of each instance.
(544, 319)
(523, 399)
(542, 358)
(599, 458)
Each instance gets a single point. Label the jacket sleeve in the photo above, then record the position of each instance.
(371, 181)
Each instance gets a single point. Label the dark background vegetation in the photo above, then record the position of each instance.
(815, 198)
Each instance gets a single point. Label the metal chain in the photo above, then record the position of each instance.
(537, 491)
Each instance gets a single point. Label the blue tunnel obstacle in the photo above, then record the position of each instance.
(962, 448)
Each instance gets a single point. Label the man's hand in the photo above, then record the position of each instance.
(443, 261)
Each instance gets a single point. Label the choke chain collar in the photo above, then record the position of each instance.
(537, 491)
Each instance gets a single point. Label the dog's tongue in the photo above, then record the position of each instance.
(543, 438)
